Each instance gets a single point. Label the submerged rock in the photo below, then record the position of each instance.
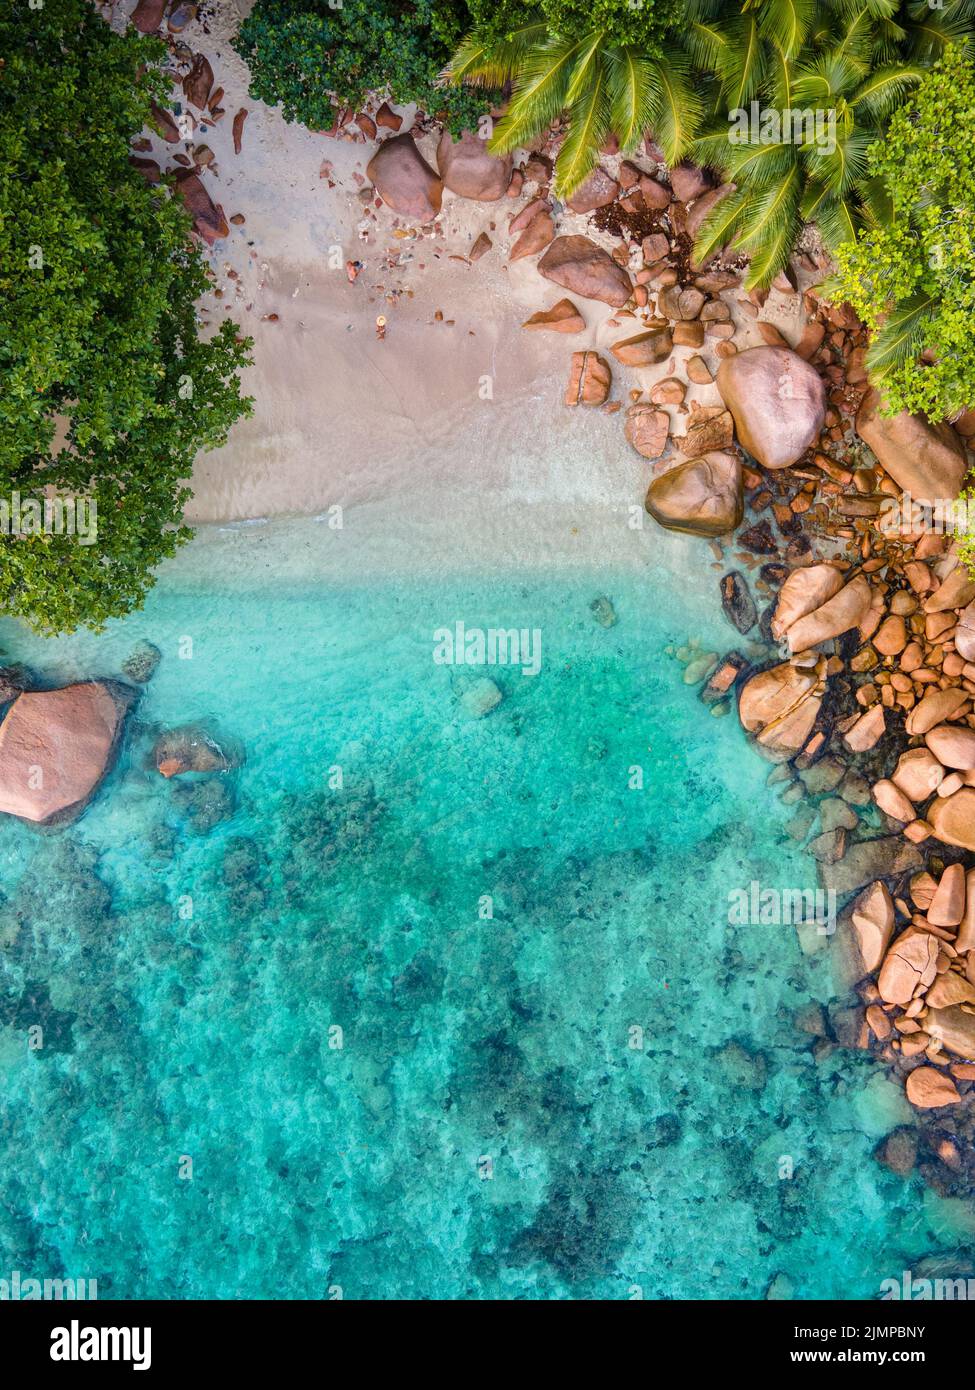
(194, 748)
(603, 611)
(56, 746)
(737, 603)
(481, 698)
(13, 680)
(205, 803)
(898, 1151)
(866, 860)
(140, 665)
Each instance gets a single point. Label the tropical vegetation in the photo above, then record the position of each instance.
(912, 279)
(612, 69)
(689, 77)
(107, 389)
(306, 55)
(854, 61)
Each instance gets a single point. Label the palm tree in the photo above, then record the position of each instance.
(604, 87)
(854, 61)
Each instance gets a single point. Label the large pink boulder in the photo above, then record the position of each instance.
(55, 747)
(579, 265)
(926, 460)
(404, 180)
(468, 170)
(778, 401)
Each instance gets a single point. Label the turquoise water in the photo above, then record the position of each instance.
(482, 1126)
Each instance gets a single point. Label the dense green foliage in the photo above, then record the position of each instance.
(913, 280)
(603, 65)
(106, 389)
(847, 62)
(691, 75)
(302, 53)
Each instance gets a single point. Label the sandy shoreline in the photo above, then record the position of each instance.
(399, 433)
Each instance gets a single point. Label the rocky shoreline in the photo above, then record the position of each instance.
(750, 423)
(858, 678)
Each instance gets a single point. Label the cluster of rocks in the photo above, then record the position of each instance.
(196, 109)
(920, 1007)
(57, 746)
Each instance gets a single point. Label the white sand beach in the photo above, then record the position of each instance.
(448, 436)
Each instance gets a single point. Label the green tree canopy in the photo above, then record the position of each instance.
(107, 389)
(913, 280)
(302, 53)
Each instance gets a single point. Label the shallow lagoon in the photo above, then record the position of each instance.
(487, 1127)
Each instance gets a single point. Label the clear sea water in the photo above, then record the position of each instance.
(486, 1129)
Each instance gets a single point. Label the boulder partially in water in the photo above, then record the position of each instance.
(56, 746)
(194, 748)
(780, 705)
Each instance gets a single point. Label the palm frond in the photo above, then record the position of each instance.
(584, 72)
(886, 88)
(902, 336)
(841, 166)
(876, 204)
(631, 94)
(779, 79)
(588, 129)
(815, 197)
(771, 211)
(721, 225)
(786, 23)
(838, 221)
(709, 45)
(824, 80)
(676, 108)
(855, 43)
(746, 62)
(540, 91)
(928, 38)
(756, 166)
(492, 63)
